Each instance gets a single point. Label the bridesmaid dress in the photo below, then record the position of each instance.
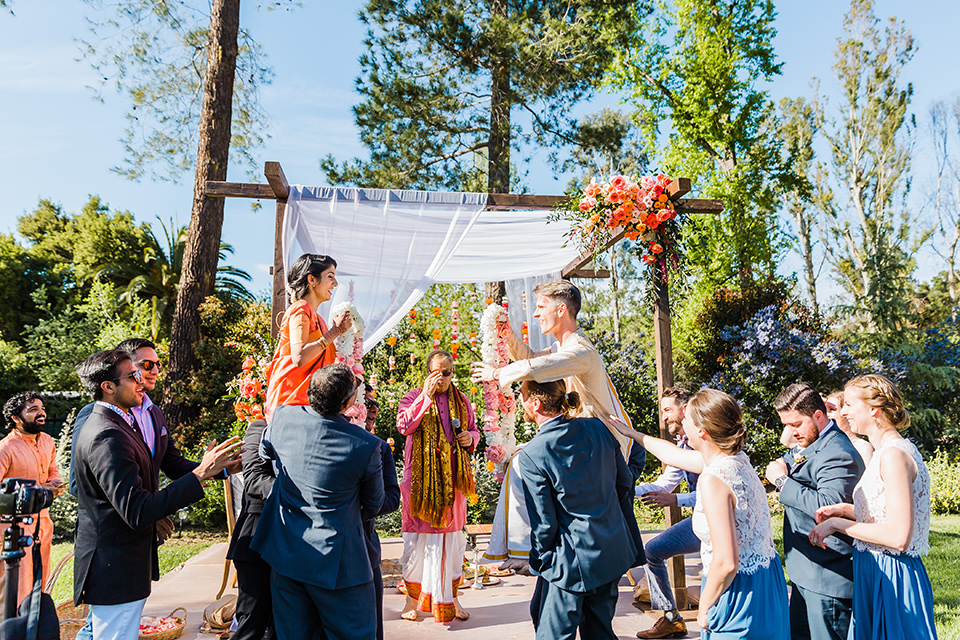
(755, 603)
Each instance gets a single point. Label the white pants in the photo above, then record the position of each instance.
(432, 570)
(117, 621)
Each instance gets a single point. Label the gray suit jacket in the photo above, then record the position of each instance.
(827, 475)
(328, 481)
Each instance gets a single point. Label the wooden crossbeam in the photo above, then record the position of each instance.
(589, 273)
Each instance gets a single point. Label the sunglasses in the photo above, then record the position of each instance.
(137, 375)
(446, 373)
(148, 365)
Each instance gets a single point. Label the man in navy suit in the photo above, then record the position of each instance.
(822, 470)
(577, 487)
(329, 480)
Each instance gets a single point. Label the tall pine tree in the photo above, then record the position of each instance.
(442, 81)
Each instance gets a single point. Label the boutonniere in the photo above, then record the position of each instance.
(799, 458)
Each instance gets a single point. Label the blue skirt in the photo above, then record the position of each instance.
(753, 606)
(892, 598)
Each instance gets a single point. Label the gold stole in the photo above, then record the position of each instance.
(434, 478)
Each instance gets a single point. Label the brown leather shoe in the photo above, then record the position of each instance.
(663, 628)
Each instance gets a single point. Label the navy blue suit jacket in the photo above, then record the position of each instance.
(827, 475)
(329, 479)
(578, 489)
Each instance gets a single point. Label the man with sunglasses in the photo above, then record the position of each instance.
(121, 502)
(441, 430)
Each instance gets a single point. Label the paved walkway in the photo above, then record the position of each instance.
(499, 611)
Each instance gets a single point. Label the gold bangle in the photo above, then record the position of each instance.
(322, 343)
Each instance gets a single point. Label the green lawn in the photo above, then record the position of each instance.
(173, 553)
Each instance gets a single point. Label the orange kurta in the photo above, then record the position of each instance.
(286, 382)
(33, 459)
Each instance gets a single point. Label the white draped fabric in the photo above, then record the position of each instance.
(391, 246)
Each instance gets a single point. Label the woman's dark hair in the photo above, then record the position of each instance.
(719, 415)
(99, 368)
(554, 398)
(309, 264)
(332, 389)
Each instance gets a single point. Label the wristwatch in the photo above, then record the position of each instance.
(779, 482)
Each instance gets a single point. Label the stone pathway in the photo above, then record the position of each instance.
(500, 611)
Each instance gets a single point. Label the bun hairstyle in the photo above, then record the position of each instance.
(878, 392)
(554, 397)
(309, 264)
(719, 415)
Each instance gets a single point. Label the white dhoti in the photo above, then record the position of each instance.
(432, 570)
(510, 537)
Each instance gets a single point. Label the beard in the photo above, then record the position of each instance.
(32, 427)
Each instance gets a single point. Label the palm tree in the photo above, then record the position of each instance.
(156, 277)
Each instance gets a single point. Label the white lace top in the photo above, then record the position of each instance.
(870, 502)
(751, 514)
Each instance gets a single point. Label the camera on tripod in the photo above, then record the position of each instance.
(20, 497)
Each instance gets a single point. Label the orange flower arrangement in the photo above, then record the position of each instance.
(640, 208)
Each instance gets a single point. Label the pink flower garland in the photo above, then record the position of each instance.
(499, 404)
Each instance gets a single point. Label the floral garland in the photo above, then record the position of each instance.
(350, 352)
(641, 208)
(500, 405)
(250, 388)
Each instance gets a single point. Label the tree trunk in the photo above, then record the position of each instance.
(803, 231)
(206, 218)
(615, 292)
(498, 148)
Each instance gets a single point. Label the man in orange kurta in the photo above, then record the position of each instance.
(28, 452)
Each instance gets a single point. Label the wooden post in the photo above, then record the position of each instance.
(281, 190)
(663, 348)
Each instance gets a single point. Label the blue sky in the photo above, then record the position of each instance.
(56, 142)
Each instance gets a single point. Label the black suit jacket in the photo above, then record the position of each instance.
(258, 478)
(391, 502)
(166, 456)
(115, 556)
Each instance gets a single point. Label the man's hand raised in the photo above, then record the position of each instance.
(217, 458)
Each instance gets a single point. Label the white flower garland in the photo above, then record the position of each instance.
(349, 346)
(500, 405)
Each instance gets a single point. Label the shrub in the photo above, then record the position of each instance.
(944, 472)
(63, 511)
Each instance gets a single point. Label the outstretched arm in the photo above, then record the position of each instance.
(667, 452)
(718, 508)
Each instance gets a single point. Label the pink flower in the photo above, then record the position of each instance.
(663, 180)
(618, 182)
(250, 388)
(584, 206)
(490, 415)
(592, 190)
(248, 364)
(648, 182)
(495, 453)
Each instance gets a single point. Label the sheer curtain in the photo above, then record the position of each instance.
(391, 246)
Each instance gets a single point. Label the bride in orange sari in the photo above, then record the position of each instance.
(305, 341)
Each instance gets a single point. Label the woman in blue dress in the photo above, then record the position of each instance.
(889, 520)
(743, 593)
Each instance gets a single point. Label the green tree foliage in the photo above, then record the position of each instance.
(945, 134)
(154, 52)
(872, 234)
(62, 340)
(697, 65)
(797, 129)
(156, 277)
(441, 80)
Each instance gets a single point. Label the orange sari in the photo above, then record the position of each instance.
(286, 382)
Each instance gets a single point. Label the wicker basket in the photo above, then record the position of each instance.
(71, 618)
(169, 634)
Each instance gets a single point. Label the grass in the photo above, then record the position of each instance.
(173, 553)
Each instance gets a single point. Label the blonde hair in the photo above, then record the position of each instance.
(561, 291)
(719, 415)
(837, 398)
(880, 393)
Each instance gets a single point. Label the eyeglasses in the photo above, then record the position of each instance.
(136, 374)
(148, 365)
(446, 373)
